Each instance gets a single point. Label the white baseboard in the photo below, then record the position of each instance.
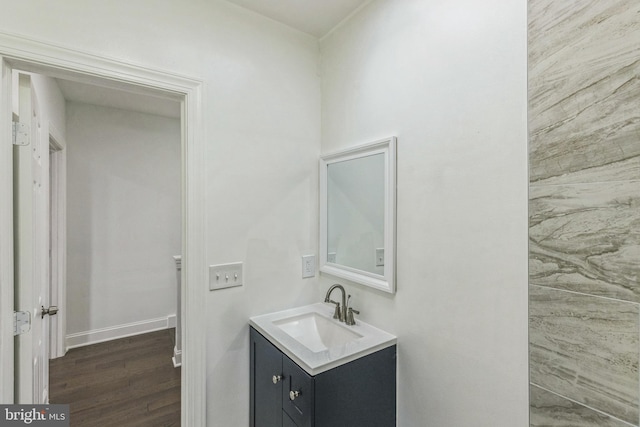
(177, 357)
(95, 336)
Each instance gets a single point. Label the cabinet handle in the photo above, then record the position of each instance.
(293, 395)
(276, 379)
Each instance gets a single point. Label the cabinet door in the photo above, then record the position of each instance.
(266, 383)
(361, 393)
(286, 421)
(297, 394)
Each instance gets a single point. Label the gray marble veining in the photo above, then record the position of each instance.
(583, 86)
(586, 238)
(586, 348)
(626, 170)
(584, 121)
(548, 409)
(570, 36)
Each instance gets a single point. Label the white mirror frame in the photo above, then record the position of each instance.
(386, 282)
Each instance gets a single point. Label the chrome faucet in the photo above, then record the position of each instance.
(341, 310)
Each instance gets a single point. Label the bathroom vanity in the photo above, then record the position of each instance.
(309, 370)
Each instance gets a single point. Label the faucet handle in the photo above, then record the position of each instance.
(336, 313)
(350, 320)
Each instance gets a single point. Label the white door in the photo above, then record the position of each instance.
(31, 246)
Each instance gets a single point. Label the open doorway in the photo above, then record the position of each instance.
(122, 154)
(123, 210)
(62, 63)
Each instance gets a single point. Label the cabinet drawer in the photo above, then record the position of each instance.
(297, 394)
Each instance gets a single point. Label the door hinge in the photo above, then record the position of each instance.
(20, 134)
(21, 322)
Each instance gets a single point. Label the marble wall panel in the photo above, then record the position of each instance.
(583, 121)
(549, 409)
(586, 349)
(568, 37)
(586, 238)
(583, 85)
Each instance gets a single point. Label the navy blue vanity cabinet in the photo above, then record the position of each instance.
(361, 393)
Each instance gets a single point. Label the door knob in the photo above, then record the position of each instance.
(50, 311)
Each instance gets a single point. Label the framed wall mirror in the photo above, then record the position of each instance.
(358, 214)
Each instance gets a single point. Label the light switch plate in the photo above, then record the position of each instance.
(308, 266)
(223, 276)
(379, 257)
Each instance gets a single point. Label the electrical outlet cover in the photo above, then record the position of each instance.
(308, 266)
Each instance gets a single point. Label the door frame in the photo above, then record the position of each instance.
(57, 61)
(58, 241)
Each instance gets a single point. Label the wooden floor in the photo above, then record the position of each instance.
(125, 382)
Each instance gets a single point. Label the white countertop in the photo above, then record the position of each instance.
(370, 340)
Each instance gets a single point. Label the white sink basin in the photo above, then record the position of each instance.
(315, 341)
(316, 332)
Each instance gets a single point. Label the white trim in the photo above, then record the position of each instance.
(177, 350)
(96, 336)
(6, 236)
(39, 56)
(194, 267)
(58, 218)
(172, 322)
(177, 357)
(57, 61)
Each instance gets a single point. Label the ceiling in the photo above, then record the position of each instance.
(315, 17)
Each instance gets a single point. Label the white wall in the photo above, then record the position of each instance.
(448, 78)
(123, 218)
(262, 126)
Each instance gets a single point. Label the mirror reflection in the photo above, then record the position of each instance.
(355, 213)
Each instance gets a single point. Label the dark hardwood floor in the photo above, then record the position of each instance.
(125, 382)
